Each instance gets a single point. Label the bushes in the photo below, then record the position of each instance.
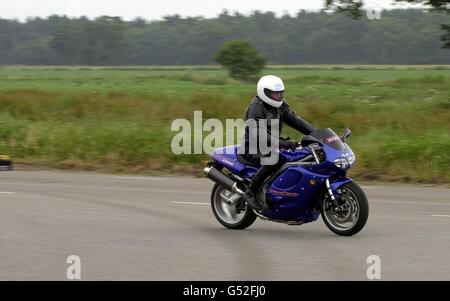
(242, 61)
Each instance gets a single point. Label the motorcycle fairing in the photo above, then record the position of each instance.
(227, 157)
(294, 195)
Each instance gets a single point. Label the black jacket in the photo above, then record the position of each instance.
(258, 109)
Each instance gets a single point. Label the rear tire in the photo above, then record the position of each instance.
(224, 212)
(357, 200)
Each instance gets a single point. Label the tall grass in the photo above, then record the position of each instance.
(121, 122)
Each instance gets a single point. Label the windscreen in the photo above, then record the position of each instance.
(329, 137)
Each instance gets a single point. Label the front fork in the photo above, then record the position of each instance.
(332, 190)
(331, 193)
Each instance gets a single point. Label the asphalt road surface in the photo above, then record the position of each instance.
(162, 228)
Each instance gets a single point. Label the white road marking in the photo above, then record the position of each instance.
(397, 202)
(140, 178)
(192, 203)
(7, 192)
(441, 215)
(368, 187)
(109, 188)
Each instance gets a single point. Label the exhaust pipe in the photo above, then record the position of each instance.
(221, 179)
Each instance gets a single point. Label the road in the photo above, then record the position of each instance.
(162, 228)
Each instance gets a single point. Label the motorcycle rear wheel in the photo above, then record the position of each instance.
(237, 216)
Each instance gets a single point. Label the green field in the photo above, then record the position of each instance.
(118, 119)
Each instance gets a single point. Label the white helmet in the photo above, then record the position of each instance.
(268, 84)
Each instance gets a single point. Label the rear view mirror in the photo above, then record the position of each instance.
(347, 134)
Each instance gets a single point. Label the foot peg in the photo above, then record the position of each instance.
(251, 200)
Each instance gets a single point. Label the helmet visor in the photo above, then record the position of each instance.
(275, 95)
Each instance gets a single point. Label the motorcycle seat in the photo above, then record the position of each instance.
(242, 160)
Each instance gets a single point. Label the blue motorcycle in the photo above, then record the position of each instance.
(311, 182)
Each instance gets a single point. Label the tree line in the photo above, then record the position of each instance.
(400, 37)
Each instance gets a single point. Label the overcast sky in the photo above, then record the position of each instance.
(154, 10)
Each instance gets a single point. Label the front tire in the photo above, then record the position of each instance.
(349, 221)
(237, 216)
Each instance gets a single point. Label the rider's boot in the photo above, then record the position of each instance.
(250, 197)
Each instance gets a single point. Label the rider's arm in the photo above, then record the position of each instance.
(294, 121)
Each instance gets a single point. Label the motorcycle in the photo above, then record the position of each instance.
(311, 182)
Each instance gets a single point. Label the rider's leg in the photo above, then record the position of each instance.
(263, 173)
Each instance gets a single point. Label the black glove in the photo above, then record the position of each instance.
(287, 144)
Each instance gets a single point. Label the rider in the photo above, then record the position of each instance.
(269, 105)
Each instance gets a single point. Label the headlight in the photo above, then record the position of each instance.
(342, 163)
(351, 159)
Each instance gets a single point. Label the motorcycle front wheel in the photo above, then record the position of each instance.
(351, 216)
